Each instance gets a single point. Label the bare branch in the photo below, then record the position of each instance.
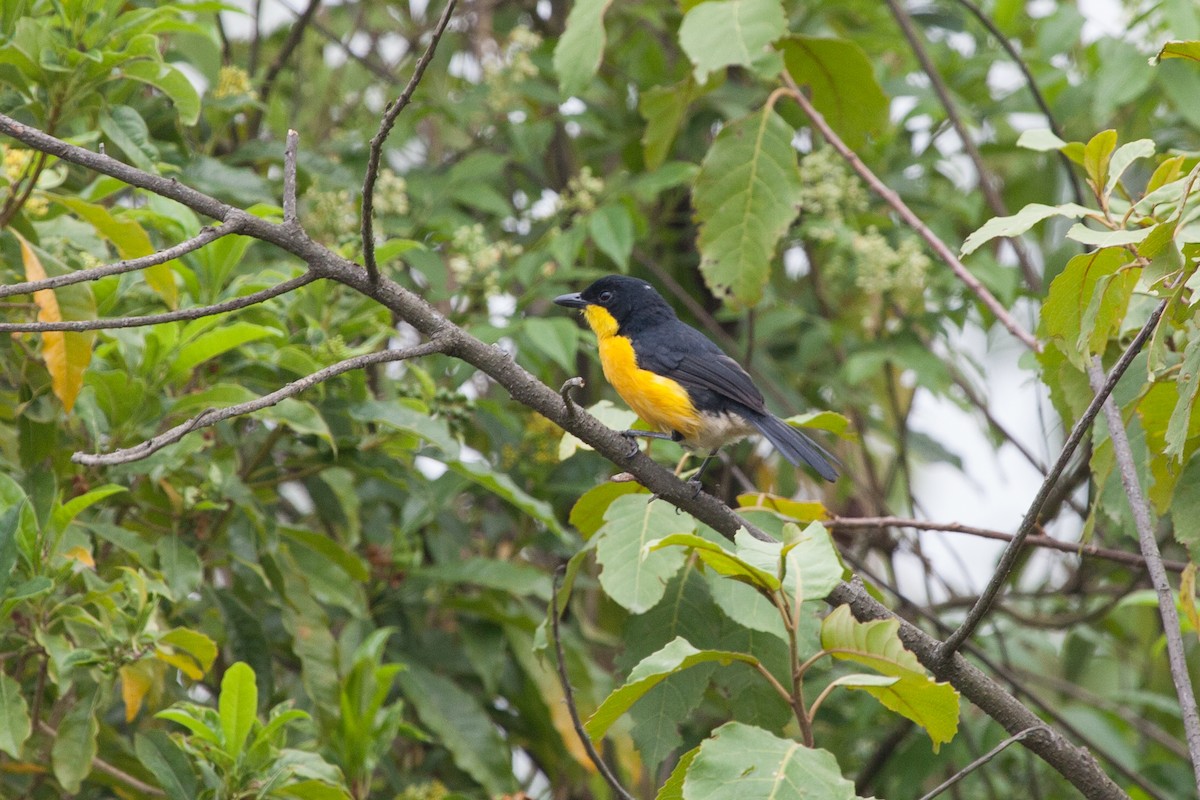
(987, 184)
(290, 154)
(377, 70)
(1074, 548)
(215, 415)
(385, 128)
(295, 34)
(207, 235)
(913, 221)
(569, 694)
(1154, 563)
(568, 387)
(1009, 557)
(168, 316)
(979, 762)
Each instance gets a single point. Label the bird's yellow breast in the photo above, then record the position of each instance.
(659, 401)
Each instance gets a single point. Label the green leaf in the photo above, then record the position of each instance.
(842, 81)
(213, 343)
(501, 485)
(302, 417)
(613, 416)
(192, 722)
(745, 197)
(1040, 139)
(196, 644)
(506, 576)
(722, 33)
(1018, 223)
(1106, 238)
(1185, 508)
(677, 655)
(330, 550)
(171, 82)
(837, 424)
(1097, 155)
(313, 790)
(167, 763)
(587, 515)
(663, 108)
(126, 129)
(672, 789)
(612, 230)
(811, 566)
(15, 725)
(742, 762)
(238, 707)
(580, 49)
(1187, 382)
(72, 508)
(180, 565)
(1178, 49)
(1106, 311)
(1070, 297)
(916, 696)
(1125, 155)
(75, 745)
(406, 418)
(634, 578)
(9, 522)
(461, 725)
(557, 338)
(719, 559)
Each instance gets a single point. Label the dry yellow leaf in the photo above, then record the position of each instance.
(65, 353)
(137, 680)
(81, 555)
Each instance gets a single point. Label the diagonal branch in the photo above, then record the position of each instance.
(1158, 575)
(214, 415)
(206, 236)
(385, 128)
(910, 218)
(169, 316)
(1009, 557)
(979, 762)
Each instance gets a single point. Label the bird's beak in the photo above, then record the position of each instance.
(572, 300)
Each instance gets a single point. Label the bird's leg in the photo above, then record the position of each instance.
(695, 481)
(632, 436)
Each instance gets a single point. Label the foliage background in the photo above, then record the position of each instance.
(414, 515)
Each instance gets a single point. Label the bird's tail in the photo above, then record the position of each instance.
(794, 445)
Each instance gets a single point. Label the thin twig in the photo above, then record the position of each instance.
(987, 184)
(1009, 557)
(385, 128)
(295, 34)
(107, 768)
(913, 221)
(569, 695)
(214, 415)
(291, 152)
(568, 387)
(979, 762)
(207, 235)
(1154, 564)
(377, 70)
(1074, 548)
(168, 316)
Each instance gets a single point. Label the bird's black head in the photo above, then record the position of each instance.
(622, 300)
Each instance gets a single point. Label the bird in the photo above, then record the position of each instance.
(677, 380)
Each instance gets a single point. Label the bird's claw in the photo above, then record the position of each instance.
(696, 486)
(633, 446)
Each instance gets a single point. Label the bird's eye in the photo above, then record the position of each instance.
(605, 297)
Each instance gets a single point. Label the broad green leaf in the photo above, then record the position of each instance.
(503, 486)
(180, 565)
(663, 108)
(192, 721)
(557, 338)
(915, 695)
(832, 421)
(167, 763)
(506, 576)
(171, 82)
(411, 420)
(1125, 155)
(1106, 238)
(1187, 382)
(72, 508)
(131, 241)
(719, 559)
(795, 510)
(1040, 139)
(1070, 296)
(723, 33)
(613, 416)
(196, 644)
(313, 789)
(811, 566)
(633, 578)
(330, 550)
(126, 129)
(1177, 49)
(1020, 222)
(859, 680)
(672, 789)
(580, 49)
(9, 522)
(1097, 156)
(1185, 508)
(299, 415)
(213, 343)
(238, 707)
(75, 745)
(842, 81)
(677, 655)
(745, 198)
(15, 725)
(66, 353)
(611, 229)
(587, 515)
(1106, 311)
(461, 726)
(742, 762)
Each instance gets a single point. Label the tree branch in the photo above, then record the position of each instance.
(214, 415)
(907, 214)
(1009, 557)
(295, 34)
(168, 316)
(1074, 548)
(979, 762)
(1154, 563)
(385, 128)
(290, 154)
(206, 236)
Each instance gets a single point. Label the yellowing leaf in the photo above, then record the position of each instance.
(65, 353)
(1187, 596)
(185, 663)
(137, 680)
(793, 509)
(81, 555)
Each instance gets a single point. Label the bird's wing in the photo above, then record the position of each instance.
(689, 358)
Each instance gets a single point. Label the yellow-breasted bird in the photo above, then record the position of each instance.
(678, 381)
